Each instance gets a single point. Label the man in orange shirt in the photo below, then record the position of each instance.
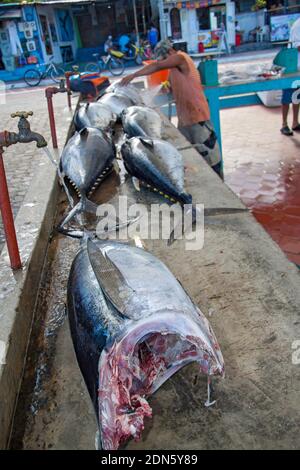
(192, 107)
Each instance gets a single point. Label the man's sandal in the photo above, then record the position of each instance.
(296, 128)
(286, 131)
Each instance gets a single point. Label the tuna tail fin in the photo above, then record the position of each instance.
(85, 205)
(82, 235)
(191, 214)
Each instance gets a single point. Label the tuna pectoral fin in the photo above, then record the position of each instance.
(147, 142)
(186, 224)
(136, 183)
(110, 278)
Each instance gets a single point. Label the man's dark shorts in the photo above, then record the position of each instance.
(287, 95)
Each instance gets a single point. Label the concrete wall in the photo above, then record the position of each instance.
(250, 20)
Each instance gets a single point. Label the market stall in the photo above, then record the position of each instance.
(242, 94)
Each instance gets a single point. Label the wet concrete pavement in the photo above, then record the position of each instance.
(263, 168)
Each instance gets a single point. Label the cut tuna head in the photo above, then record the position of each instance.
(139, 362)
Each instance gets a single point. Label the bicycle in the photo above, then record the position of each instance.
(112, 62)
(33, 77)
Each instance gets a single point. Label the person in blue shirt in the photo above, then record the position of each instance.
(153, 36)
(124, 41)
(108, 44)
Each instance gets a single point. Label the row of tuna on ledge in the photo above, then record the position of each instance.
(132, 323)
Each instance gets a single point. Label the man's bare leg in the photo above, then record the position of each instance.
(295, 116)
(285, 130)
(285, 112)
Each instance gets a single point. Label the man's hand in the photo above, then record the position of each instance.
(126, 80)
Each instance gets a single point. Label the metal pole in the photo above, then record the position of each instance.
(144, 19)
(68, 86)
(162, 20)
(8, 219)
(136, 23)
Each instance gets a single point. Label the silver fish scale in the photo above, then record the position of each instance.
(165, 157)
(96, 115)
(83, 159)
(138, 120)
(128, 90)
(117, 103)
(97, 302)
(137, 283)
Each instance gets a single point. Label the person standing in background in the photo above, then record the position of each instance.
(124, 42)
(153, 36)
(133, 37)
(108, 44)
(287, 94)
(192, 107)
(1, 62)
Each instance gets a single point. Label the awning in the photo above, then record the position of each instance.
(190, 5)
(9, 14)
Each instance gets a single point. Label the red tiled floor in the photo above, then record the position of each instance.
(263, 168)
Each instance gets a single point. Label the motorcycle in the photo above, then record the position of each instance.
(135, 52)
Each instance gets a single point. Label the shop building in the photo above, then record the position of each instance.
(274, 20)
(20, 40)
(35, 33)
(200, 22)
(66, 31)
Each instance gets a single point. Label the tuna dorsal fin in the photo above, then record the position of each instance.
(84, 133)
(110, 279)
(147, 142)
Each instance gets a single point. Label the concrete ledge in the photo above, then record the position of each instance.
(18, 290)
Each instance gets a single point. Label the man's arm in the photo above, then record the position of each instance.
(174, 60)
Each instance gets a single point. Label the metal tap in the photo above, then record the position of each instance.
(25, 134)
(51, 90)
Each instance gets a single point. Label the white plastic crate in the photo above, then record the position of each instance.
(271, 98)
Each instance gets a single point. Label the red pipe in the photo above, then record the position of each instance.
(7, 216)
(49, 92)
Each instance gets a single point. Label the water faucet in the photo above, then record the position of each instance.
(25, 134)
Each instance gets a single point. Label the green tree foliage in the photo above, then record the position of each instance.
(15, 1)
(259, 4)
